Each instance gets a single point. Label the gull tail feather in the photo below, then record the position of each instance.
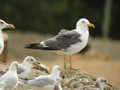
(33, 46)
(39, 46)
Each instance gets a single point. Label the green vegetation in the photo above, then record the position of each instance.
(49, 16)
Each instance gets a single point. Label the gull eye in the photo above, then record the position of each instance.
(1, 22)
(83, 21)
(31, 59)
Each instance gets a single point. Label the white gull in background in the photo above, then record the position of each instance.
(10, 79)
(3, 25)
(25, 67)
(45, 81)
(67, 42)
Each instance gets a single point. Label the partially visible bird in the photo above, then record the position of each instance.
(67, 42)
(2, 89)
(10, 79)
(4, 54)
(3, 25)
(25, 67)
(100, 81)
(45, 81)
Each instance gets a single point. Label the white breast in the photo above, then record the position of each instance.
(1, 42)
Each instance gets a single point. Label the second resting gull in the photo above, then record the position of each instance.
(67, 42)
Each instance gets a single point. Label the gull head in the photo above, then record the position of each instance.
(100, 81)
(57, 68)
(29, 59)
(56, 71)
(4, 25)
(13, 66)
(84, 23)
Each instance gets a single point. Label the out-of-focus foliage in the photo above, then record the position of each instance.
(49, 16)
(115, 23)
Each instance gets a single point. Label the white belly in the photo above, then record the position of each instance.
(75, 48)
(1, 43)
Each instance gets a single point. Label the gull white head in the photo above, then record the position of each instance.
(29, 59)
(100, 83)
(56, 71)
(13, 66)
(4, 25)
(57, 68)
(84, 24)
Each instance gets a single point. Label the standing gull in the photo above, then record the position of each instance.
(10, 79)
(3, 25)
(67, 42)
(45, 81)
(25, 67)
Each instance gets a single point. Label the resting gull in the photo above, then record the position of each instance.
(25, 67)
(67, 42)
(3, 25)
(10, 79)
(45, 81)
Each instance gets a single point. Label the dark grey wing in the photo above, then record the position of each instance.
(61, 41)
(63, 31)
(41, 82)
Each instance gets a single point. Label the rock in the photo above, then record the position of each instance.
(74, 79)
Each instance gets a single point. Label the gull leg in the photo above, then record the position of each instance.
(70, 61)
(65, 62)
(15, 89)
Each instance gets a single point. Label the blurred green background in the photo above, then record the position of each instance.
(49, 16)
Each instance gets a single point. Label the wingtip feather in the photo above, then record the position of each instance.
(32, 46)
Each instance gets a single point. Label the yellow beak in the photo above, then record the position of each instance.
(11, 26)
(91, 25)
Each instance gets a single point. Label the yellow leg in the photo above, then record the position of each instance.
(65, 62)
(70, 61)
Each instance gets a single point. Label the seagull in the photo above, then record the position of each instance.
(24, 68)
(100, 81)
(45, 81)
(10, 79)
(67, 42)
(3, 25)
(2, 89)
